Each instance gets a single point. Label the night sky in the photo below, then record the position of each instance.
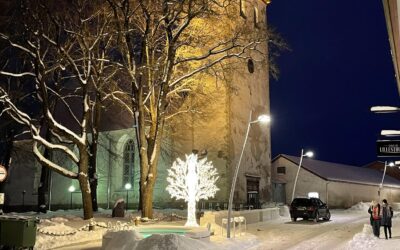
(339, 66)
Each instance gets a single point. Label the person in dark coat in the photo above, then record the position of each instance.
(386, 220)
(375, 211)
(370, 212)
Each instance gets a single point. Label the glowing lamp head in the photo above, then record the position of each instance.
(128, 186)
(71, 189)
(264, 118)
(309, 154)
(391, 164)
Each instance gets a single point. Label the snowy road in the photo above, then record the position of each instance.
(333, 234)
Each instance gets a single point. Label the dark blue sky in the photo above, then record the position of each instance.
(339, 66)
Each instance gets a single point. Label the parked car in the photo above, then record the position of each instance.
(309, 208)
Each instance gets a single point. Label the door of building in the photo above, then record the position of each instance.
(253, 196)
(280, 192)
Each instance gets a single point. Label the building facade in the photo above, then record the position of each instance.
(338, 185)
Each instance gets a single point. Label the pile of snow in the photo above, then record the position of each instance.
(44, 241)
(120, 239)
(361, 206)
(364, 240)
(71, 217)
(132, 240)
(284, 211)
(58, 229)
(59, 219)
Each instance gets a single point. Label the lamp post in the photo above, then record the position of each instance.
(384, 110)
(71, 189)
(308, 154)
(390, 164)
(128, 186)
(262, 119)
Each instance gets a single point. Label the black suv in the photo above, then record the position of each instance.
(309, 208)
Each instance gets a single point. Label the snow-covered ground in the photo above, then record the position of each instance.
(348, 229)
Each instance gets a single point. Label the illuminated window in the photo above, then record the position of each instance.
(242, 8)
(129, 161)
(281, 170)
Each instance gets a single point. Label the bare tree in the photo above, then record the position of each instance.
(166, 44)
(61, 41)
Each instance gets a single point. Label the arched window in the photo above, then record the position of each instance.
(129, 162)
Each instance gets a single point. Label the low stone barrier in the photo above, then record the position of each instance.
(252, 216)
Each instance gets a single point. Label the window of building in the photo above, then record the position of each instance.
(250, 66)
(281, 170)
(256, 18)
(243, 8)
(129, 162)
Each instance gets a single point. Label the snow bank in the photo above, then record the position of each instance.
(44, 241)
(59, 229)
(123, 239)
(361, 206)
(364, 240)
(59, 219)
(284, 211)
(132, 240)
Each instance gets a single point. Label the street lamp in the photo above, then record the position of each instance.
(128, 187)
(71, 189)
(390, 132)
(262, 119)
(390, 164)
(385, 109)
(308, 154)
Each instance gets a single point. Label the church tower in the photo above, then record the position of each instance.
(217, 129)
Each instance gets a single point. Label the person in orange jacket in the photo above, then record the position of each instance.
(375, 211)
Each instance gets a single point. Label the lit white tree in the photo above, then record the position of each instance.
(192, 180)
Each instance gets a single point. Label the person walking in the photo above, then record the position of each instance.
(386, 221)
(375, 218)
(370, 212)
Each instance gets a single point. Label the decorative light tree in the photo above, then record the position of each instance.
(192, 180)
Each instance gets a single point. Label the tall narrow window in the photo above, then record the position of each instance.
(256, 18)
(129, 161)
(242, 8)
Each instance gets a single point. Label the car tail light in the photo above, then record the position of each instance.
(310, 208)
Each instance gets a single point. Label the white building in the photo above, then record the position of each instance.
(336, 184)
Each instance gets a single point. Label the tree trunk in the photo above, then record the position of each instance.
(92, 174)
(44, 185)
(147, 201)
(84, 184)
(43, 189)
